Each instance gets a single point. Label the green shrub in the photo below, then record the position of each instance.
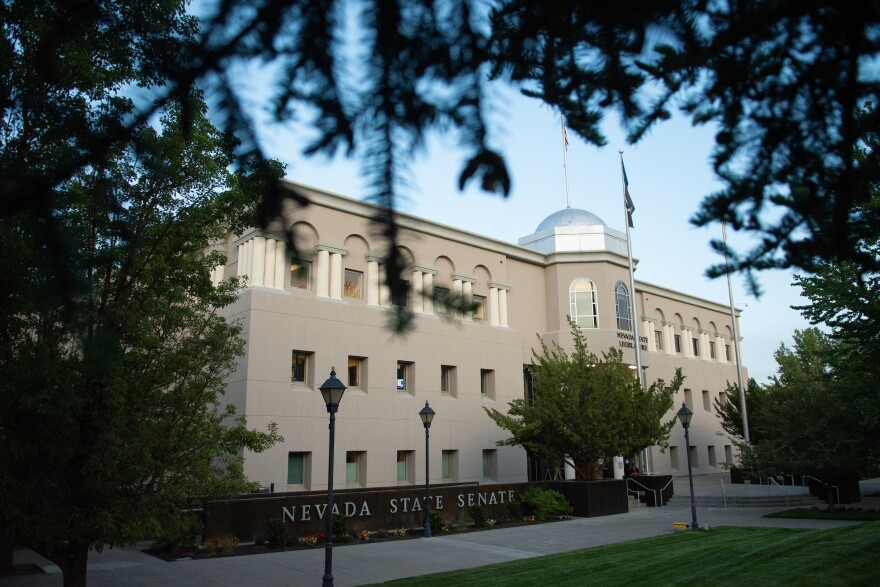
(478, 515)
(461, 525)
(179, 534)
(544, 504)
(276, 533)
(514, 510)
(339, 530)
(436, 522)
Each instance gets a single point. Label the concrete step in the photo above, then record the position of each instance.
(743, 501)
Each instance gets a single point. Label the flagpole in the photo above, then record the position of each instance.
(565, 162)
(739, 374)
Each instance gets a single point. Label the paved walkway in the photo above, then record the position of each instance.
(374, 563)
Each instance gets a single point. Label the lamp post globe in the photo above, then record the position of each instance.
(331, 391)
(427, 415)
(684, 415)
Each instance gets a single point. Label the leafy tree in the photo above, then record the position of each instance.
(730, 411)
(586, 409)
(112, 413)
(784, 82)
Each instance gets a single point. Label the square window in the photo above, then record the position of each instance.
(448, 380)
(450, 465)
(658, 340)
(441, 300)
(406, 376)
(487, 383)
(354, 281)
(695, 461)
(728, 454)
(696, 344)
(405, 465)
(707, 403)
(479, 307)
(673, 457)
(727, 351)
(490, 469)
(688, 398)
(722, 398)
(297, 463)
(355, 463)
(357, 372)
(301, 367)
(677, 339)
(712, 462)
(300, 273)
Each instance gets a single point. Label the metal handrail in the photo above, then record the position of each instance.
(784, 492)
(654, 491)
(723, 492)
(807, 489)
(636, 495)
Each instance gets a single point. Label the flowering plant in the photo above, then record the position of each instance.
(398, 532)
(363, 535)
(309, 541)
(528, 518)
(490, 522)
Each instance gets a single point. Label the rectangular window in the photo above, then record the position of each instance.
(727, 351)
(450, 465)
(441, 300)
(300, 367)
(528, 383)
(487, 383)
(405, 465)
(712, 462)
(695, 461)
(354, 282)
(490, 469)
(677, 339)
(711, 349)
(707, 403)
(673, 457)
(479, 307)
(728, 454)
(300, 273)
(355, 463)
(297, 463)
(688, 398)
(357, 372)
(448, 380)
(658, 340)
(695, 342)
(401, 298)
(722, 398)
(406, 376)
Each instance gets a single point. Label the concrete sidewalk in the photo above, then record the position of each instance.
(359, 564)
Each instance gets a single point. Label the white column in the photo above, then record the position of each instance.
(502, 307)
(269, 263)
(241, 260)
(493, 306)
(322, 274)
(281, 263)
(384, 290)
(428, 298)
(687, 334)
(704, 346)
(648, 330)
(669, 338)
(417, 292)
(258, 259)
(336, 276)
(719, 349)
(457, 296)
(468, 297)
(372, 283)
(246, 267)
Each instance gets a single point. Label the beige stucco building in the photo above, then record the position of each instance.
(329, 308)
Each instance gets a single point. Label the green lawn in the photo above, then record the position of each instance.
(826, 514)
(721, 556)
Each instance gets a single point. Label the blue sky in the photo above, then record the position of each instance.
(668, 171)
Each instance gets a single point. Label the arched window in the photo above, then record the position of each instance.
(621, 303)
(584, 305)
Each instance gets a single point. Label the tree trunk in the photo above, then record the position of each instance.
(72, 559)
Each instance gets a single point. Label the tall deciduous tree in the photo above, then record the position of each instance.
(112, 414)
(586, 409)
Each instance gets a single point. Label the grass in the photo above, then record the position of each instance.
(722, 556)
(826, 514)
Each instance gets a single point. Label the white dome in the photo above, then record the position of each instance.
(570, 217)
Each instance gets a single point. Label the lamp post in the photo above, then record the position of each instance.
(427, 414)
(685, 415)
(332, 391)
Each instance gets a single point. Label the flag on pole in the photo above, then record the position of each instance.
(630, 207)
(564, 136)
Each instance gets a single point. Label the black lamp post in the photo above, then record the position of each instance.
(685, 415)
(332, 391)
(427, 414)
